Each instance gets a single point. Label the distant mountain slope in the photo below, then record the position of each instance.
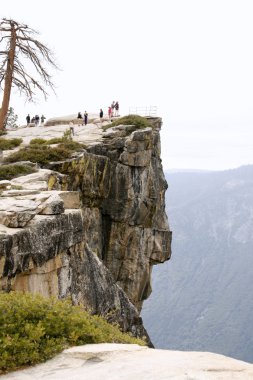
(203, 298)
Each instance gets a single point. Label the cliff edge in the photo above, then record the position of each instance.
(90, 227)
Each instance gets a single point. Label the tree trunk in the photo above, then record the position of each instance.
(8, 78)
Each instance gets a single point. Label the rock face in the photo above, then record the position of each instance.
(129, 361)
(96, 234)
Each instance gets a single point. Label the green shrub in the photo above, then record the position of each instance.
(54, 140)
(3, 132)
(57, 140)
(43, 154)
(36, 146)
(67, 135)
(34, 329)
(12, 171)
(72, 145)
(38, 140)
(6, 144)
(39, 153)
(138, 121)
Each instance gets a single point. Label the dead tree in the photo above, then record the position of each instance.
(21, 52)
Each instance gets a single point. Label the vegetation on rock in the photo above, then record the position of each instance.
(72, 145)
(138, 121)
(67, 135)
(37, 140)
(34, 329)
(6, 144)
(54, 140)
(43, 154)
(11, 118)
(66, 141)
(12, 171)
(39, 153)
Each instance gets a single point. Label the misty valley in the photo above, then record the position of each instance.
(202, 297)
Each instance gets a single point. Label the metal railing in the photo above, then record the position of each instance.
(143, 111)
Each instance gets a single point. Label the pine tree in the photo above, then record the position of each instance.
(11, 118)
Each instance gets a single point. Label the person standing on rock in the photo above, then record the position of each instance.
(79, 116)
(42, 119)
(112, 107)
(109, 112)
(28, 119)
(117, 108)
(85, 118)
(71, 128)
(101, 114)
(37, 120)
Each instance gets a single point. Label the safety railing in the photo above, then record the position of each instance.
(143, 111)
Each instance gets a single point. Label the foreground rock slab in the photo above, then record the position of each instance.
(127, 361)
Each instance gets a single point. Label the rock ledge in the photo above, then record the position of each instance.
(124, 362)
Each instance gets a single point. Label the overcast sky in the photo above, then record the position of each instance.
(193, 59)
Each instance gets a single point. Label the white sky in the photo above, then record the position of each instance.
(193, 59)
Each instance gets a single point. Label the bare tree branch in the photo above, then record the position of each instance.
(20, 43)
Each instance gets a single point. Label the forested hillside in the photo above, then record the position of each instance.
(202, 299)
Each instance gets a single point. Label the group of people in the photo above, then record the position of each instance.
(35, 120)
(84, 117)
(113, 109)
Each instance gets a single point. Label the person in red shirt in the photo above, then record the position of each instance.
(110, 112)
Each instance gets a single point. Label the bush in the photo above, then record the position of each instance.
(12, 171)
(66, 139)
(138, 121)
(6, 144)
(67, 135)
(38, 140)
(34, 329)
(54, 140)
(39, 153)
(43, 154)
(72, 145)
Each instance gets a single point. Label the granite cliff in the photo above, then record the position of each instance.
(90, 227)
